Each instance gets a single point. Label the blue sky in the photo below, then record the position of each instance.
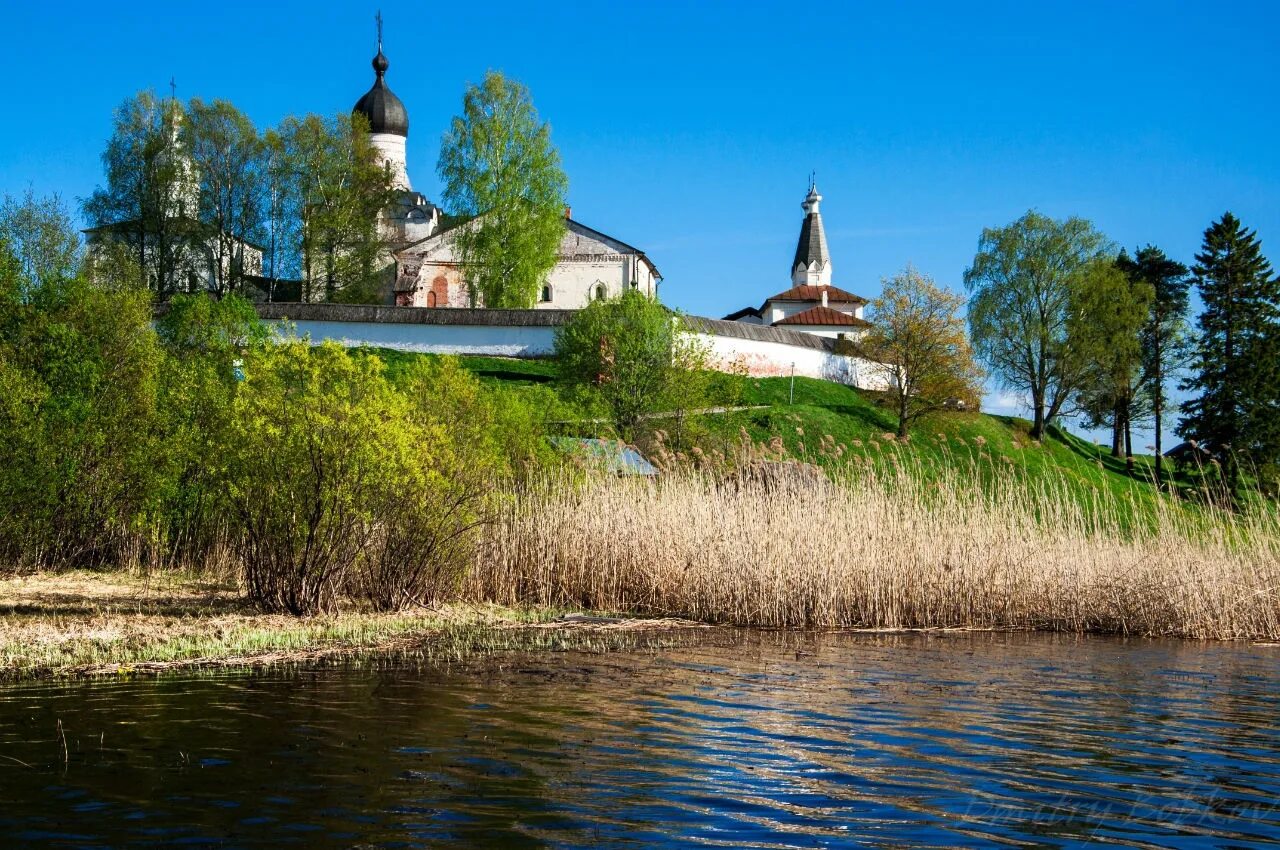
(690, 129)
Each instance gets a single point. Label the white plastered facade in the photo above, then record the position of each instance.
(589, 266)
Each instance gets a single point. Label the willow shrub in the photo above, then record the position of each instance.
(203, 339)
(422, 537)
(79, 429)
(341, 482)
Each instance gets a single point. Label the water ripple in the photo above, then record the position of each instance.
(743, 740)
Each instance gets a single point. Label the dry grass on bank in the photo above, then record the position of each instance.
(875, 548)
(91, 622)
(885, 550)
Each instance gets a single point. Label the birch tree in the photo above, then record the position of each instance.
(1021, 284)
(337, 188)
(500, 169)
(230, 162)
(147, 202)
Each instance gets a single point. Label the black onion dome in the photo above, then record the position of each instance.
(385, 111)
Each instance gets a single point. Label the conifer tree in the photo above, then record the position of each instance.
(1234, 373)
(1163, 336)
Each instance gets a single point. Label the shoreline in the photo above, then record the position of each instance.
(81, 625)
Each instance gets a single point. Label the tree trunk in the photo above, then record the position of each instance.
(1156, 402)
(1157, 398)
(1037, 408)
(1128, 443)
(1117, 433)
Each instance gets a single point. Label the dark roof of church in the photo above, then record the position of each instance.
(812, 246)
(814, 293)
(385, 111)
(824, 316)
(742, 314)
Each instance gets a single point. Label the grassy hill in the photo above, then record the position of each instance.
(822, 411)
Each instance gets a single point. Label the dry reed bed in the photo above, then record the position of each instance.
(884, 550)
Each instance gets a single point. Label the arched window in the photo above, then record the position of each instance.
(601, 292)
(546, 293)
(431, 299)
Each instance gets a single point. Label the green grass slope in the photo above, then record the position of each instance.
(824, 412)
(1000, 444)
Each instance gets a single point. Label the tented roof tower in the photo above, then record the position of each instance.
(812, 265)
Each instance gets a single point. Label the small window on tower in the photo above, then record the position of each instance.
(546, 294)
(600, 292)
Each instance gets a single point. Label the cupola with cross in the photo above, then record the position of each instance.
(388, 119)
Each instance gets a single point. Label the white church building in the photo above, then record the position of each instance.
(812, 304)
(591, 265)
(201, 256)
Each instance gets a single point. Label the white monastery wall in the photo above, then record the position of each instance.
(512, 335)
(515, 341)
(762, 359)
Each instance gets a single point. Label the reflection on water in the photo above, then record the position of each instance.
(746, 740)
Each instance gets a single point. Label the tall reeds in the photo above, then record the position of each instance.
(885, 547)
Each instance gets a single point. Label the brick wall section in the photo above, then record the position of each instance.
(440, 289)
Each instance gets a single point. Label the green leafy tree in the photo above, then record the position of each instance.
(78, 426)
(1163, 336)
(1107, 312)
(423, 535)
(149, 202)
(500, 169)
(1234, 365)
(630, 355)
(205, 341)
(230, 160)
(280, 259)
(336, 187)
(919, 342)
(1021, 285)
(39, 233)
(313, 439)
(341, 482)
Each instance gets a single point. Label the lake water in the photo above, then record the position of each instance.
(728, 740)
